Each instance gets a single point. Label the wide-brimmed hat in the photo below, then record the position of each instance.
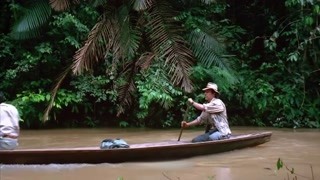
(212, 86)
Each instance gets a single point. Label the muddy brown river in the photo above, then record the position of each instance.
(298, 149)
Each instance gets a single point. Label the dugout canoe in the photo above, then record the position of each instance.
(157, 151)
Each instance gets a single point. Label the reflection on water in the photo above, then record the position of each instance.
(299, 149)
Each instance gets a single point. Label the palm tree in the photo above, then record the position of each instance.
(131, 35)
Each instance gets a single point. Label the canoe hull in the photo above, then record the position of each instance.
(137, 152)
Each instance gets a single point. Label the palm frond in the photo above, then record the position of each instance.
(207, 49)
(61, 5)
(29, 25)
(123, 39)
(180, 60)
(129, 38)
(126, 88)
(113, 37)
(141, 5)
(168, 44)
(145, 60)
(94, 49)
(54, 92)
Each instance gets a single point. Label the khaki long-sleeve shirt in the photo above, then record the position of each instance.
(215, 113)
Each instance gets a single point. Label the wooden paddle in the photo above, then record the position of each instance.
(185, 116)
(180, 133)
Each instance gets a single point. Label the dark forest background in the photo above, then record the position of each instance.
(134, 63)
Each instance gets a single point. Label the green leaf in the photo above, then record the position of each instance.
(279, 164)
(48, 97)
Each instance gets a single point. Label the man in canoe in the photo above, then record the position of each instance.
(9, 125)
(214, 115)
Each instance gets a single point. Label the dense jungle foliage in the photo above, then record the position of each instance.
(134, 63)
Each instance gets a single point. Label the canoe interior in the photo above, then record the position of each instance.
(156, 151)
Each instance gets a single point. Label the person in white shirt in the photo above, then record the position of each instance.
(9, 125)
(214, 115)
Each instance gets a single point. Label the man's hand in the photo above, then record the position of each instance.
(190, 100)
(184, 124)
